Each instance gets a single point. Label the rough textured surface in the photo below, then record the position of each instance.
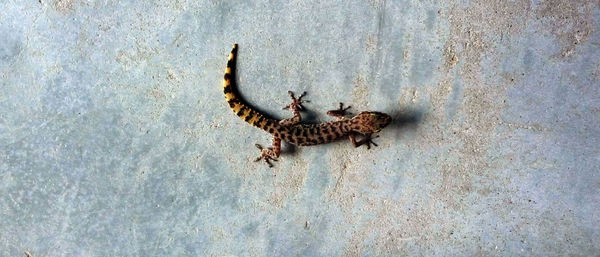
(115, 139)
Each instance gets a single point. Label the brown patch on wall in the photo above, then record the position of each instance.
(392, 228)
(63, 6)
(376, 4)
(371, 43)
(475, 31)
(450, 58)
(348, 175)
(596, 72)
(289, 184)
(570, 21)
(360, 92)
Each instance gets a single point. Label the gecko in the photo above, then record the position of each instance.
(291, 130)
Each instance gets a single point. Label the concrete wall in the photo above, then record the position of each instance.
(116, 140)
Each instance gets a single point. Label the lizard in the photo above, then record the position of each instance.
(291, 130)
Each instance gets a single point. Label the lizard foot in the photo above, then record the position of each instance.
(296, 102)
(266, 154)
(340, 112)
(368, 140)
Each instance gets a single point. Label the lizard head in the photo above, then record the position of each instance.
(370, 122)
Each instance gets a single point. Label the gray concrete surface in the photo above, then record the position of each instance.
(115, 139)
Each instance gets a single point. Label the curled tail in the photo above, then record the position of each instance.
(237, 105)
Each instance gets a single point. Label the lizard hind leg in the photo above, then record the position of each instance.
(296, 107)
(271, 153)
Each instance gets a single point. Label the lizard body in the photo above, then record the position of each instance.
(291, 130)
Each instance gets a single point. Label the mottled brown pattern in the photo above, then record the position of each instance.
(365, 123)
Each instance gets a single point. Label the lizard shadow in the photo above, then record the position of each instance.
(405, 119)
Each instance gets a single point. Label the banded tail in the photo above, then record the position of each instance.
(237, 105)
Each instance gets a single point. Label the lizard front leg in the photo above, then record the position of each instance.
(296, 107)
(270, 153)
(340, 112)
(368, 140)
